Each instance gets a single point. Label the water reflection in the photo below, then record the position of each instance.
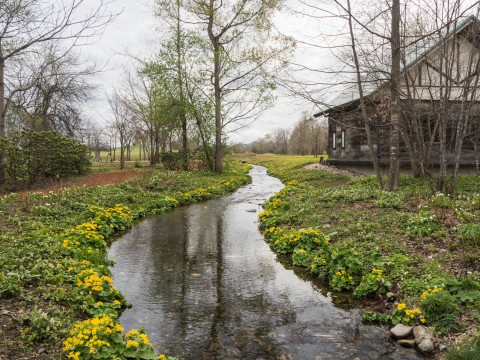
(205, 285)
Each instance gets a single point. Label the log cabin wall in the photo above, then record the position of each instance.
(348, 124)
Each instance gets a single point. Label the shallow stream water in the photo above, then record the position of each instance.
(205, 285)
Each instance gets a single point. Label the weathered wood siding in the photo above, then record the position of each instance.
(356, 148)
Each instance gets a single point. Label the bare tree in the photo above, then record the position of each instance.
(318, 137)
(280, 139)
(48, 88)
(25, 24)
(123, 122)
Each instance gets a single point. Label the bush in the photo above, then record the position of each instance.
(30, 155)
(172, 160)
(441, 309)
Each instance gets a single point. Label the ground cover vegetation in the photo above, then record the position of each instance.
(413, 252)
(57, 299)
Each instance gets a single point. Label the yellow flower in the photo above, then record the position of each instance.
(132, 343)
(74, 355)
(401, 306)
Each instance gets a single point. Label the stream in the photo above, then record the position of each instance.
(205, 285)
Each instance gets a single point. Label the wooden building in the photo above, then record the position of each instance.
(440, 101)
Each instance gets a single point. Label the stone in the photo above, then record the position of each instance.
(401, 331)
(424, 339)
(406, 343)
(442, 347)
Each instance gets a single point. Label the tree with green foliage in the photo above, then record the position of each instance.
(244, 54)
(172, 55)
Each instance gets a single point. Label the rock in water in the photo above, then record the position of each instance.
(401, 331)
(423, 339)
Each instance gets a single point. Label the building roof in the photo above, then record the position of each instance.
(414, 53)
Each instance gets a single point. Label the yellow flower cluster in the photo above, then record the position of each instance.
(430, 291)
(83, 235)
(136, 338)
(376, 274)
(173, 201)
(201, 192)
(90, 337)
(342, 274)
(91, 334)
(411, 314)
(264, 215)
(92, 280)
(272, 230)
(275, 204)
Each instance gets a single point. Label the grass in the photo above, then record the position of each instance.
(466, 350)
(392, 248)
(40, 297)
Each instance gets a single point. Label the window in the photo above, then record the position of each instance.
(343, 139)
(334, 141)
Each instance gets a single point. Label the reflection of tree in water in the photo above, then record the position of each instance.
(201, 315)
(205, 286)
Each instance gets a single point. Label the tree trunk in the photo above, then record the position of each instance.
(218, 117)
(393, 170)
(2, 115)
(183, 116)
(373, 153)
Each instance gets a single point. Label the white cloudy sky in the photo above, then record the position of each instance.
(133, 31)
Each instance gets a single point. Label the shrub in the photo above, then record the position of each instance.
(172, 160)
(440, 308)
(30, 155)
(373, 283)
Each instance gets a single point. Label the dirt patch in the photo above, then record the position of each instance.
(332, 170)
(89, 180)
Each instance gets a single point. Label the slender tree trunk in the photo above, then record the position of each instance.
(373, 153)
(204, 143)
(477, 156)
(183, 116)
(217, 89)
(2, 115)
(394, 170)
(218, 117)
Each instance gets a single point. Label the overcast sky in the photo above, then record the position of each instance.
(133, 31)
